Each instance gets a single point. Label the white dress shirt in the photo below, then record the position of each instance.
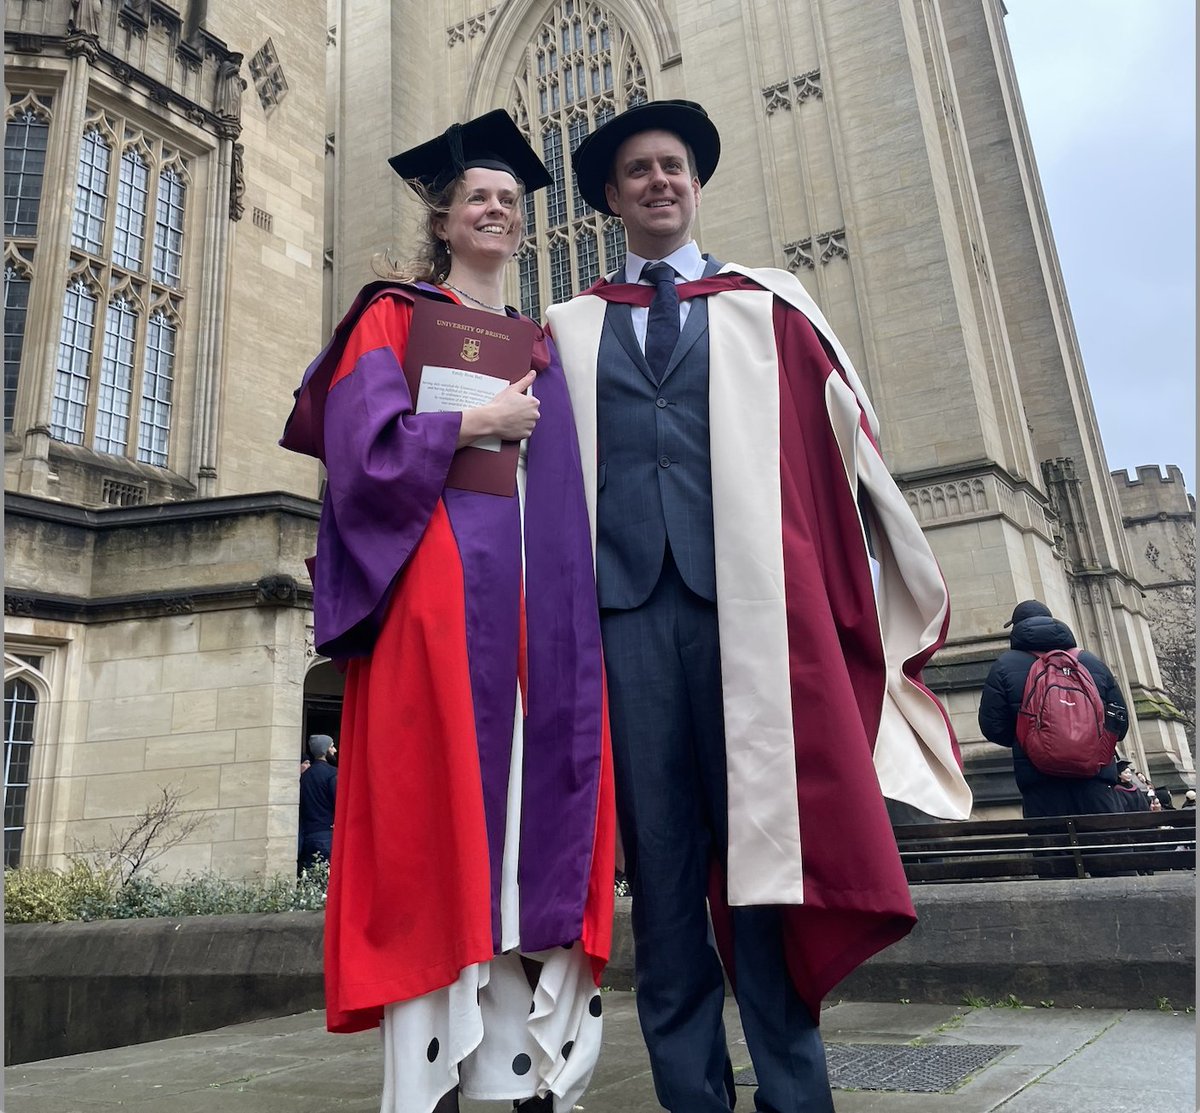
(689, 266)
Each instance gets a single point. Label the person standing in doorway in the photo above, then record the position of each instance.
(318, 794)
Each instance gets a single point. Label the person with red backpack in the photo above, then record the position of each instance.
(1061, 712)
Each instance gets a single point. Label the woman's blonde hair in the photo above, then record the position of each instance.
(431, 263)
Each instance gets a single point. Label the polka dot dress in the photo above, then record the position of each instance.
(490, 1032)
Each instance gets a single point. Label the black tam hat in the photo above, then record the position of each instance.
(492, 141)
(592, 160)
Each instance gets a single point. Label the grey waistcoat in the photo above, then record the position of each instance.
(654, 483)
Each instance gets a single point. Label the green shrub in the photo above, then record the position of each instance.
(51, 896)
(86, 892)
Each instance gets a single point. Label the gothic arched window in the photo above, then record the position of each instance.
(20, 717)
(118, 335)
(565, 89)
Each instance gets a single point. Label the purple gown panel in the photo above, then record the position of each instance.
(385, 478)
(488, 531)
(563, 727)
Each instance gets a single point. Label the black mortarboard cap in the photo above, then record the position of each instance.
(491, 140)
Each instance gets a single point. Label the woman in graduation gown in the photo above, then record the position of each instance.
(470, 898)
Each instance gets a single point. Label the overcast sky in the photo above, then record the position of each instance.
(1109, 93)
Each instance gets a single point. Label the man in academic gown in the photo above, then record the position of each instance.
(767, 604)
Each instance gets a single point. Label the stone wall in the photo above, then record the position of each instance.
(1115, 943)
(175, 658)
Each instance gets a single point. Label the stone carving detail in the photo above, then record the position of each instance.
(469, 28)
(808, 86)
(940, 501)
(799, 254)
(85, 17)
(230, 86)
(331, 36)
(310, 642)
(276, 591)
(134, 17)
(178, 604)
(981, 264)
(237, 182)
(833, 245)
(777, 97)
(269, 82)
(948, 109)
(820, 248)
(798, 89)
(20, 606)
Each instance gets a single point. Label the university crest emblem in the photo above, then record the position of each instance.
(470, 350)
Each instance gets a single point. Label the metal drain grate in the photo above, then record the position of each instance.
(899, 1067)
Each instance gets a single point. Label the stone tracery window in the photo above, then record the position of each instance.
(22, 679)
(91, 190)
(72, 376)
(154, 425)
(26, 137)
(133, 195)
(123, 303)
(116, 377)
(565, 89)
(26, 133)
(168, 227)
(17, 274)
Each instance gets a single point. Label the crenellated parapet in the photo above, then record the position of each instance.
(1152, 495)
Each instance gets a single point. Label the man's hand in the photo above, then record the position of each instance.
(511, 415)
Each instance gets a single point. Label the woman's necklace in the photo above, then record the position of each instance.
(471, 297)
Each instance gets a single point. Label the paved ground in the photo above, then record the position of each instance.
(1053, 1061)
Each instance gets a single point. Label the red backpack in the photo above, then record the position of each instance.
(1061, 721)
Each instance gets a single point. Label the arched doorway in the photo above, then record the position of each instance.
(323, 687)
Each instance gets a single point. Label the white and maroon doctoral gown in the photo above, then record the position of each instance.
(825, 711)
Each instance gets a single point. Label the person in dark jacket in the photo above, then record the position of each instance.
(1130, 793)
(1036, 630)
(318, 790)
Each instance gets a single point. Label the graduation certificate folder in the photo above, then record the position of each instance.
(458, 358)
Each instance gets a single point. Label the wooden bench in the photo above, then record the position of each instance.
(1064, 846)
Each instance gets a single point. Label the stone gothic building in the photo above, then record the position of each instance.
(196, 188)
